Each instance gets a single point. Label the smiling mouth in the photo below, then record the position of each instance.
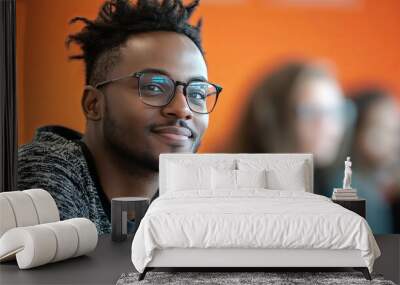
(175, 136)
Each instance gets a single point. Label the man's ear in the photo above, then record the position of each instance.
(92, 100)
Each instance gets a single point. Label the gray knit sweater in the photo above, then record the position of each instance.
(59, 162)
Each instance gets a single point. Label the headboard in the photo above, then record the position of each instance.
(231, 158)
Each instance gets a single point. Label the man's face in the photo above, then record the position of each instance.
(141, 132)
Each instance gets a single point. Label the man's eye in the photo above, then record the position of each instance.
(152, 88)
(197, 95)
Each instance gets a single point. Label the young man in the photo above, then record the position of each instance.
(147, 93)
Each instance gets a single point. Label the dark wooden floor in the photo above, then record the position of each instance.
(106, 264)
(389, 262)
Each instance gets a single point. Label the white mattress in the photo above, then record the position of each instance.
(252, 218)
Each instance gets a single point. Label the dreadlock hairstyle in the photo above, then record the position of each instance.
(117, 20)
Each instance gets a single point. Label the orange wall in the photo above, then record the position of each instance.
(242, 38)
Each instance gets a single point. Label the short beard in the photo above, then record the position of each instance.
(133, 161)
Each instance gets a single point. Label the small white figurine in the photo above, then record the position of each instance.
(347, 174)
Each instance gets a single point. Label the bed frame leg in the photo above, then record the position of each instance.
(143, 274)
(364, 271)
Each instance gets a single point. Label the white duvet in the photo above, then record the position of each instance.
(251, 218)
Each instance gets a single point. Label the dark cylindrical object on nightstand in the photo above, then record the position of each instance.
(119, 215)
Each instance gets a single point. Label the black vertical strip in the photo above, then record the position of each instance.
(8, 113)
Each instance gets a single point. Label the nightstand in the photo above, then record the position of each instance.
(120, 223)
(357, 206)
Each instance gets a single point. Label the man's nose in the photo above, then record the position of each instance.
(178, 107)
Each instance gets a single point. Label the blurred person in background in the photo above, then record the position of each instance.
(298, 107)
(375, 152)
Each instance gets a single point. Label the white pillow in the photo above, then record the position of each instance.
(185, 177)
(228, 179)
(223, 179)
(251, 178)
(288, 174)
(290, 180)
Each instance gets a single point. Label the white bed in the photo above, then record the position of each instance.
(202, 220)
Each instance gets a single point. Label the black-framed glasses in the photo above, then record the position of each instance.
(158, 90)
